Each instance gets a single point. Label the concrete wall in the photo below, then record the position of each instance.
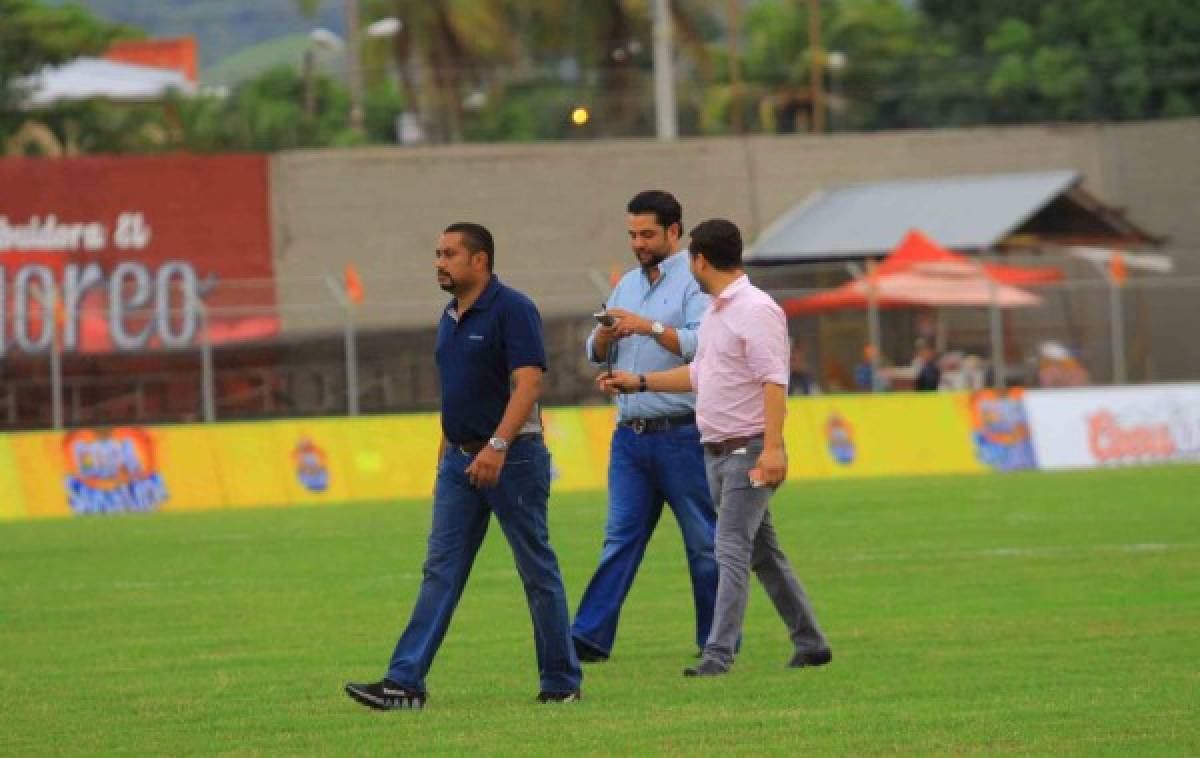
(557, 210)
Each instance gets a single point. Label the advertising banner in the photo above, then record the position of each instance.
(1110, 426)
(1000, 430)
(845, 436)
(129, 253)
(387, 458)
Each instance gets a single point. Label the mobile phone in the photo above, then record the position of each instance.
(603, 318)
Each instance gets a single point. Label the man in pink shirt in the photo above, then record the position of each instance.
(740, 376)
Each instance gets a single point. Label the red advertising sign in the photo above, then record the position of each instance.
(134, 252)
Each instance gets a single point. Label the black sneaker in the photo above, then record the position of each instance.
(549, 696)
(706, 667)
(812, 658)
(386, 695)
(588, 654)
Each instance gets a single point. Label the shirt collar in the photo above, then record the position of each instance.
(482, 303)
(664, 268)
(730, 292)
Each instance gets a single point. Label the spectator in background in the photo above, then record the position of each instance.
(928, 376)
(864, 372)
(1058, 368)
(802, 381)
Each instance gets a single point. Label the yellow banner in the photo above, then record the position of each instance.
(841, 436)
(339, 460)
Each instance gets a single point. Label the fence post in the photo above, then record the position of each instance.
(999, 369)
(1116, 316)
(873, 331)
(56, 377)
(350, 339)
(206, 363)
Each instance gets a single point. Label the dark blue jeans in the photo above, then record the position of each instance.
(644, 470)
(461, 514)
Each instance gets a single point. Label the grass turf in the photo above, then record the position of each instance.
(1046, 613)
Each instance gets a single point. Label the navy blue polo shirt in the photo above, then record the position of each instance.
(476, 355)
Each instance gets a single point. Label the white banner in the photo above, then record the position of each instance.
(1107, 426)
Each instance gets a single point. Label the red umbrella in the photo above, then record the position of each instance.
(931, 276)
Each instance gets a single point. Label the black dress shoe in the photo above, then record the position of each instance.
(588, 654)
(550, 696)
(812, 658)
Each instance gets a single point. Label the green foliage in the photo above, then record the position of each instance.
(947, 62)
(33, 35)
(267, 114)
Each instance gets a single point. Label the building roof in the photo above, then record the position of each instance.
(961, 213)
(178, 53)
(86, 78)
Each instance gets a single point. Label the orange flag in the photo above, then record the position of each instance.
(1116, 269)
(354, 288)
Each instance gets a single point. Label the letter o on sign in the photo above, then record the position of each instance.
(183, 277)
(22, 295)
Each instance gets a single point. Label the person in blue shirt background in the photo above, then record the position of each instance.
(656, 454)
(491, 459)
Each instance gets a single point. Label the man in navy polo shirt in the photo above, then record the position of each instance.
(491, 460)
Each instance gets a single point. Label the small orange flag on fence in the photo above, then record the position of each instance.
(1116, 269)
(354, 288)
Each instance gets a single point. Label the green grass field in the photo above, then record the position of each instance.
(1043, 613)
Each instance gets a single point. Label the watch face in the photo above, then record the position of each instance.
(657, 327)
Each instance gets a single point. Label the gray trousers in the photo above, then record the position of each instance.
(746, 540)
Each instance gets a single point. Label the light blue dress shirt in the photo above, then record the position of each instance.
(675, 300)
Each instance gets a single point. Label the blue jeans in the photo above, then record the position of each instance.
(644, 470)
(461, 513)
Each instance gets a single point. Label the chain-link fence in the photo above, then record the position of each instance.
(353, 365)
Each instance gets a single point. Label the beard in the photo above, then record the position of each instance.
(654, 258)
(447, 283)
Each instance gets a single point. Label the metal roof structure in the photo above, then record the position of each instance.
(86, 78)
(965, 213)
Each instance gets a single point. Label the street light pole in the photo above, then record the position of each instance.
(817, 63)
(733, 12)
(664, 73)
(354, 64)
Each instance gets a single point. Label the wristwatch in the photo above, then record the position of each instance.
(657, 329)
(499, 444)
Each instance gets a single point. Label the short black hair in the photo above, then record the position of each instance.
(476, 238)
(720, 242)
(663, 205)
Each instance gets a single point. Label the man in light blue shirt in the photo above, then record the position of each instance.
(656, 454)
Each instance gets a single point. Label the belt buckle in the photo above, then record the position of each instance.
(638, 425)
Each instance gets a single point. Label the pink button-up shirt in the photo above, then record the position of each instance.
(743, 343)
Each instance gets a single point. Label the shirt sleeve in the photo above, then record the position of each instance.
(695, 303)
(522, 328)
(767, 345)
(610, 303)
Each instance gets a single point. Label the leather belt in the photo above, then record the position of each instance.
(474, 446)
(661, 424)
(725, 447)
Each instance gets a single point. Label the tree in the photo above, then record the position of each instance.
(33, 35)
(1081, 59)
